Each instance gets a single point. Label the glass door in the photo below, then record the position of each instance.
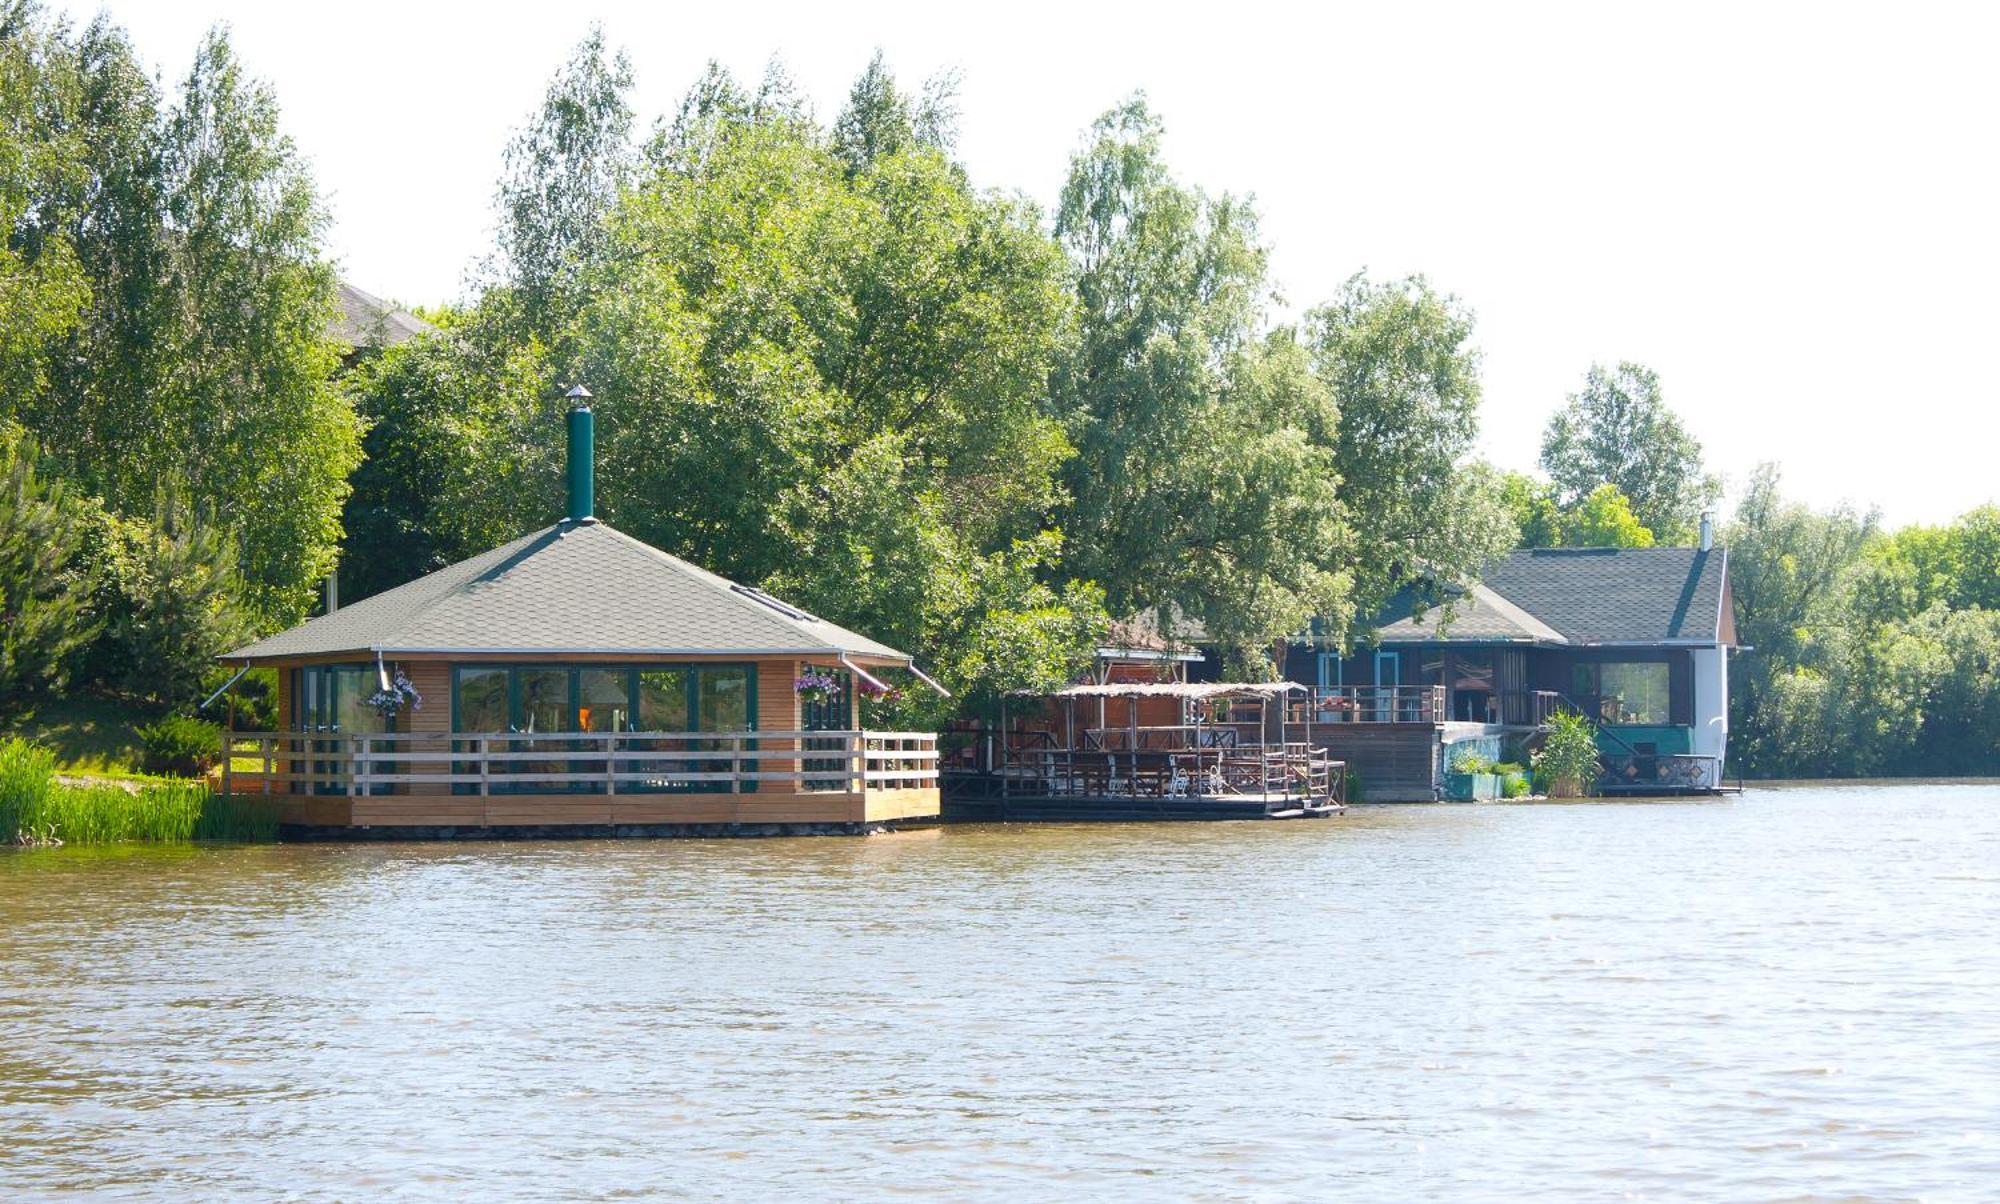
(663, 707)
(1388, 675)
(479, 705)
(827, 715)
(542, 705)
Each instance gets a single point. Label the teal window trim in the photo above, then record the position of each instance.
(320, 683)
(691, 670)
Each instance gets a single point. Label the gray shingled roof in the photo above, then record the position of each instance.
(566, 589)
(1584, 596)
(366, 320)
(1479, 616)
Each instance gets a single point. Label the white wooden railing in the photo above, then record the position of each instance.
(486, 763)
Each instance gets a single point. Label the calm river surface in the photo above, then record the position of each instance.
(1792, 995)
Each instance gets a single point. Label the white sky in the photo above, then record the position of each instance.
(1788, 212)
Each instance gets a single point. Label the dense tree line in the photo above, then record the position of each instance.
(825, 363)
(1874, 652)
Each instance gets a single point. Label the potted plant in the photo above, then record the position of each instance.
(1471, 777)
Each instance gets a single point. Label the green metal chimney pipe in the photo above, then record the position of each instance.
(582, 457)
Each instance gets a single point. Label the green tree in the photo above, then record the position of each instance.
(1531, 505)
(830, 380)
(172, 598)
(461, 453)
(200, 360)
(1791, 575)
(1206, 478)
(1618, 430)
(44, 581)
(564, 172)
(1397, 357)
(1602, 519)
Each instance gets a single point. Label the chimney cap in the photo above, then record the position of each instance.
(578, 393)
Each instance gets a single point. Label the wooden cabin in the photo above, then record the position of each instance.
(578, 680)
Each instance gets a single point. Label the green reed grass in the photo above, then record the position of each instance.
(35, 808)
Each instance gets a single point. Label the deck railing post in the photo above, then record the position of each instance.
(482, 747)
(610, 764)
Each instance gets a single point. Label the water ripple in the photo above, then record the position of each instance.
(1792, 996)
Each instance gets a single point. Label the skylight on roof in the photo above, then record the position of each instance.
(784, 608)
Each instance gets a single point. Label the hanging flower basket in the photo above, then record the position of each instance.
(816, 687)
(390, 702)
(881, 693)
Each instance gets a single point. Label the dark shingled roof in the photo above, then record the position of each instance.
(1478, 616)
(566, 589)
(1585, 596)
(366, 320)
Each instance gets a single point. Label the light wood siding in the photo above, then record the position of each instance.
(777, 710)
(433, 681)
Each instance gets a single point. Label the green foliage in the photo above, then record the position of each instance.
(563, 174)
(44, 580)
(172, 595)
(27, 783)
(1353, 791)
(1206, 479)
(1469, 759)
(1568, 756)
(459, 455)
(180, 745)
(1619, 431)
(1601, 519)
(173, 327)
(880, 121)
(1531, 506)
(1398, 361)
(1873, 654)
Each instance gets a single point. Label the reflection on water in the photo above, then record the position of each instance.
(1796, 994)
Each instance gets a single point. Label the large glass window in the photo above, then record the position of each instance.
(557, 698)
(663, 700)
(603, 700)
(1634, 693)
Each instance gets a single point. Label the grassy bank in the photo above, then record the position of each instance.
(38, 808)
(90, 735)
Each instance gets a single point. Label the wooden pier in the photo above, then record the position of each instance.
(1183, 751)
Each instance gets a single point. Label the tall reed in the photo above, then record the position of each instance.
(27, 782)
(37, 809)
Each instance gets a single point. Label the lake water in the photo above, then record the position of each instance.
(1791, 995)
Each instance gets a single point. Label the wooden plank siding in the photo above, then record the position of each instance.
(1397, 762)
(527, 810)
(435, 805)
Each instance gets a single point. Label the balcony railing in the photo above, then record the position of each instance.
(1377, 704)
(487, 763)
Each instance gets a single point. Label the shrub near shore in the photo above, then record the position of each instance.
(36, 808)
